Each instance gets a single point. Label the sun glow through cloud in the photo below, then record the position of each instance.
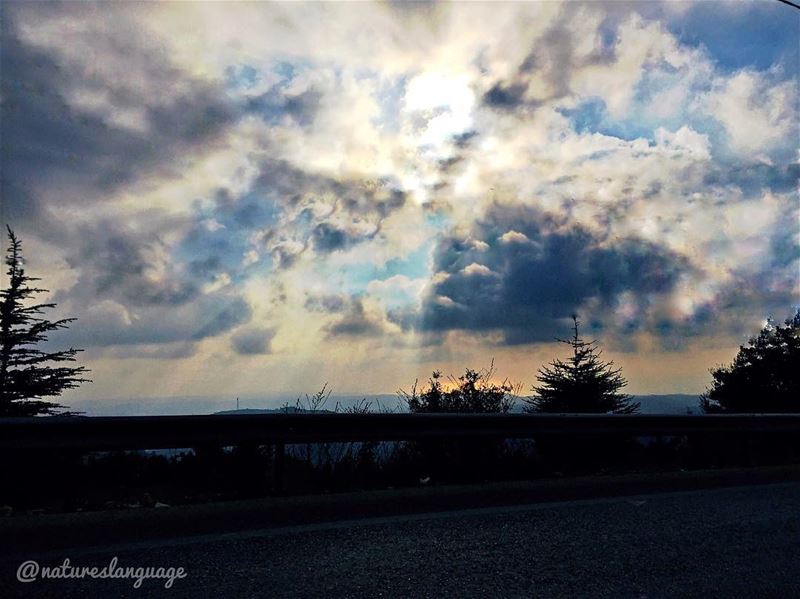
(257, 198)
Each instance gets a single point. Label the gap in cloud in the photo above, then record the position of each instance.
(591, 116)
(740, 35)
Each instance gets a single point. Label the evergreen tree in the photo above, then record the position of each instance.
(25, 376)
(764, 377)
(582, 384)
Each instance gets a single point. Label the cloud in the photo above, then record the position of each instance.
(757, 113)
(75, 130)
(133, 267)
(332, 304)
(356, 322)
(527, 289)
(275, 105)
(505, 97)
(129, 289)
(179, 350)
(109, 323)
(512, 237)
(328, 238)
(250, 341)
(684, 141)
(290, 213)
(352, 317)
(397, 290)
(190, 177)
(476, 269)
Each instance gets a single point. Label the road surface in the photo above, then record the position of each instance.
(735, 542)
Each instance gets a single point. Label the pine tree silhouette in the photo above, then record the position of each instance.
(581, 384)
(25, 377)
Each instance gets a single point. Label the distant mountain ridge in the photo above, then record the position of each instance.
(675, 403)
(283, 410)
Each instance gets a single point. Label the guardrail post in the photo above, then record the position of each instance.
(278, 467)
(750, 445)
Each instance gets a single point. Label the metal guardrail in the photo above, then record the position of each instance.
(165, 432)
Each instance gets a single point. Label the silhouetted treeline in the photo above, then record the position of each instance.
(763, 378)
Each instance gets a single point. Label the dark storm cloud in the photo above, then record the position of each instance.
(49, 144)
(252, 341)
(352, 319)
(535, 272)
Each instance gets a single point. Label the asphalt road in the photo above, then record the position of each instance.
(735, 542)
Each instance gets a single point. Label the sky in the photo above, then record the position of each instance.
(257, 198)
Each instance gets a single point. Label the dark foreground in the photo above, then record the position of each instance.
(741, 541)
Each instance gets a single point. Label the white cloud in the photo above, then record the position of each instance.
(476, 269)
(514, 237)
(757, 114)
(398, 290)
(684, 140)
